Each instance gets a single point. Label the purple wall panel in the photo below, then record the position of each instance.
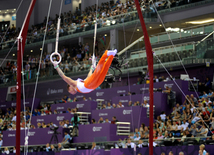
(83, 106)
(124, 115)
(160, 101)
(55, 118)
(3, 94)
(36, 137)
(28, 103)
(97, 132)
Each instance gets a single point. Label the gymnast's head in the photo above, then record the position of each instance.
(71, 89)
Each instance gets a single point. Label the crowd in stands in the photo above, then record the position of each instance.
(83, 20)
(77, 58)
(191, 119)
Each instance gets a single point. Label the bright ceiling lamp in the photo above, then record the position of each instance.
(108, 22)
(201, 21)
(173, 29)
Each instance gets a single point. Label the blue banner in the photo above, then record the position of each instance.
(13, 17)
(67, 2)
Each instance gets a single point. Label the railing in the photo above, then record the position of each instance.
(87, 27)
(84, 117)
(123, 128)
(187, 141)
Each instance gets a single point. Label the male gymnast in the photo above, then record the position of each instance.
(94, 79)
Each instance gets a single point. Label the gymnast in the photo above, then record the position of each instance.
(94, 79)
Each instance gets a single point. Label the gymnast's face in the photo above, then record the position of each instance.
(72, 90)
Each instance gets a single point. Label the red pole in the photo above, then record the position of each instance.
(21, 45)
(149, 54)
(18, 96)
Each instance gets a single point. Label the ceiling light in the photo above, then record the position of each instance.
(138, 29)
(14, 9)
(7, 10)
(40, 49)
(31, 51)
(160, 25)
(150, 27)
(173, 29)
(0, 10)
(105, 34)
(13, 54)
(113, 22)
(201, 21)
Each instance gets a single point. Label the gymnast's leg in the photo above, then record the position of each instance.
(101, 70)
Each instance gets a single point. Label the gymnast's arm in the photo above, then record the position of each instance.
(90, 73)
(68, 80)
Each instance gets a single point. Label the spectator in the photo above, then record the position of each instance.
(129, 144)
(93, 121)
(6, 151)
(114, 120)
(94, 146)
(171, 96)
(140, 144)
(181, 153)
(202, 149)
(47, 147)
(1, 141)
(170, 153)
(203, 131)
(53, 149)
(130, 104)
(137, 137)
(60, 147)
(107, 121)
(108, 106)
(101, 120)
(66, 139)
(120, 105)
(163, 116)
(14, 150)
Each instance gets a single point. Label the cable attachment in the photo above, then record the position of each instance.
(26, 140)
(57, 42)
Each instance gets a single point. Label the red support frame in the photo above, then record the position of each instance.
(21, 46)
(149, 54)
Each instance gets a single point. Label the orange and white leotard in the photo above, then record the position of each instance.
(97, 78)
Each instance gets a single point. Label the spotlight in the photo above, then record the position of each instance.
(150, 27)
(13, 54)
(31, 51)
(105, 35)
(138, 29)
(113, 22)
(160, 25)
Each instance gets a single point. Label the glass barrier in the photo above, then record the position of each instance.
(203, 47)
(164, 50)
(190, 32)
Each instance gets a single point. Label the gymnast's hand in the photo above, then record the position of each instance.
(55, 63)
